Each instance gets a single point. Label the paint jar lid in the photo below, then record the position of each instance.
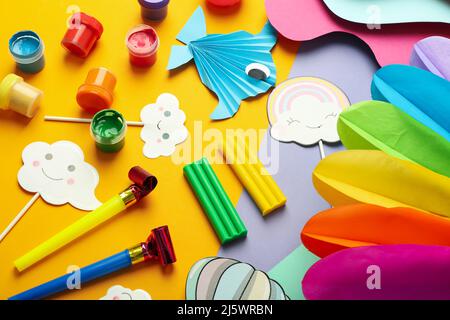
(90, 22)
(5, 87)
(154, 4)
(108, 127)
(142, 40)
(26, 47)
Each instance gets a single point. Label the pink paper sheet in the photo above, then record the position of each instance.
(301, 20)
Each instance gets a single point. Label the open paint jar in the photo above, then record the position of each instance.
(154, 9)
(142, 43)
(19, 96)
(108, 128)
(27, 50)
(82, 35)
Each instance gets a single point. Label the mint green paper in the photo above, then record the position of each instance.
(290, 271)
(391, 11)
(380, 125)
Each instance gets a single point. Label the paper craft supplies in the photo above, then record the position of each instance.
(215, 201)
(19, 96)
(82, 34)
(97, 93)
(252, 174)
(27, 50)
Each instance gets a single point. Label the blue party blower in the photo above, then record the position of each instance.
(158, 247)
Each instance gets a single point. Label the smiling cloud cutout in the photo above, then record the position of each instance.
(120, 293)
(305, 110)
(59, 174)
(163, 126)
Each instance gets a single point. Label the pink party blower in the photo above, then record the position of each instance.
(389, 272)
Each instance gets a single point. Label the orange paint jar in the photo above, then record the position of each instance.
(97, 93)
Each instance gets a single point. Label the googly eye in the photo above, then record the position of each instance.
(71, 168)
(257, 71)
(166, 136)
(48, 156)
(167, 114)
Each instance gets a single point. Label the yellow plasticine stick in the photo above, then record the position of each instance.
(80, 227)
(245, 178)
(255, 178)
(373, 177)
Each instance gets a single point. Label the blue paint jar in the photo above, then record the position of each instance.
(27, 50)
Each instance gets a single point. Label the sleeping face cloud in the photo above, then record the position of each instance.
(163, 126)
(59, 174)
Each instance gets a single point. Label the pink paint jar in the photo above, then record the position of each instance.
(142, 43)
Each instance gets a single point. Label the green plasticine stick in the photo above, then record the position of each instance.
(215, 201)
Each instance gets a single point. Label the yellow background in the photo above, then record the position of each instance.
(172, 203)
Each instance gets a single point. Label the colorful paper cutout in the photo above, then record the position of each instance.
(433, 54)
(373, 177)
(226, 279)
(290, 271)
(388, 11)
(59, 173)
(395, 272)
(222, 59)
(121, 293)
(163, 126)
(305, 110)
(364, 225)
(380, 125)
(421, 94)
(391, 44)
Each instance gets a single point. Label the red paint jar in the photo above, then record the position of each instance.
(223, 3)
(84, 31)
(142, 43)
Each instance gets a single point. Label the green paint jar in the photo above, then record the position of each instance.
(108, 128)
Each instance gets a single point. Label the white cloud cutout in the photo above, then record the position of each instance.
(121, 293)
(59, 174)
(163, 126)
(307, 122)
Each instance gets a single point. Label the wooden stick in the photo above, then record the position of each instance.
(83, 120)
(19, 216)
(322, 150)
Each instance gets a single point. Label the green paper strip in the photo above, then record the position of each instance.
(215, 201)
(379, 125)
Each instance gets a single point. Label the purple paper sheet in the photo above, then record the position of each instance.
(348, 63)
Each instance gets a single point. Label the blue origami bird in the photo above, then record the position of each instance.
(235, 66)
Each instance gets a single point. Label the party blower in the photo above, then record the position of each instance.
(157, 248)
(144, 184)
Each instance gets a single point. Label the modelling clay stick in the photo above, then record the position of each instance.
(214, 200)
(144, 183)
(252, 174)
(85, 120)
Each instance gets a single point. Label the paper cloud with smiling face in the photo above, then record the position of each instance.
(305, 110)
(163, 126)
(59, 174)
(120, 293)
